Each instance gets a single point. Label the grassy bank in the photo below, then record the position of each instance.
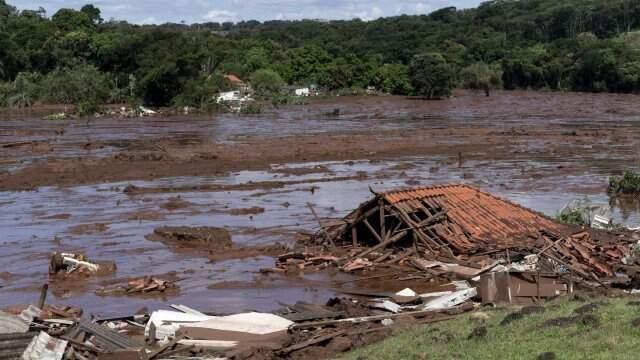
(606, 333)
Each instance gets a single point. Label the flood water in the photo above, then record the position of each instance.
(36, 223)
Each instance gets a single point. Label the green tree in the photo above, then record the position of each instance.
(266, 81)
(394, 79)
(93, 13)
(82, 84)
(70, 20)
(480, 76)
(201, 93)
(431, 76)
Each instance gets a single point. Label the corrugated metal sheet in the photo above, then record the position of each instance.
(483, 216)
(13, 345)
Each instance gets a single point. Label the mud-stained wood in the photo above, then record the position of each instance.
(372, 230)
(354, 236)
(382, 245)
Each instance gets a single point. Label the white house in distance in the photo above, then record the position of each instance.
(241, 91)
(303, 92)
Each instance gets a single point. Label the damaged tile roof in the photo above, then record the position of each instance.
(481, 215)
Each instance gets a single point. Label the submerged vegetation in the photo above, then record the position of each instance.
(629, 183)
(530, 44)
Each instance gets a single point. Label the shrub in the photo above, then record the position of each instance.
(431, 76)
(251, 108)
(629, 183)
(266, 81)
(200, 93)
(278, 100)
(79, 84)
(574, 217)
(480, 76)
(22, 92)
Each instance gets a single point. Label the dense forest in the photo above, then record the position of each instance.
(76, 57)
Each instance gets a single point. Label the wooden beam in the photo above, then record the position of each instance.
(383, 225)
(322, 229)
(382, 245)
(373, 231)
(354, 236)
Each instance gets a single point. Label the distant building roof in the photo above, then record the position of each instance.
(233, 79)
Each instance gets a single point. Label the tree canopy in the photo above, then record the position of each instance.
(583, 45)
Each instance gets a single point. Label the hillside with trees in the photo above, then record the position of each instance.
(76, 57)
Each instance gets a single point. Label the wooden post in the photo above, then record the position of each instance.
(383, 226)
(509, 277)
(43, 296)
(538, 284)
(354, 235)
(382, 245)
(373, 231)
(322, 229)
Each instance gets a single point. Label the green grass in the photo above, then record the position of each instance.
(614, 338)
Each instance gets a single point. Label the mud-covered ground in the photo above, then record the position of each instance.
(62, 183)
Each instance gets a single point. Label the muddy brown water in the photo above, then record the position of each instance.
(541, 172)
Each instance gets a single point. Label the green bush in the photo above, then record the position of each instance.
(431, 76)
(574, 217)
(279, 100)
(266, 81)
(5, 93)
(480, 76)
(251, 108)
(201, 93)
(87, 108)
(75, 85)
(22, 92)
(629, 183)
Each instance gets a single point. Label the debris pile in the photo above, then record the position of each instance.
(462, 231)
(200, 237)
(460, 246)
(294, 262)
(67, 264)
(146, 285)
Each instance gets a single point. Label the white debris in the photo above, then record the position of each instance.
(406, 292)
(303, 92)
(387, 305)
(45, 347)
(451, 300)
(250, 323)
(146, 111)
(167, 323)
(387, 322)
(435, 294)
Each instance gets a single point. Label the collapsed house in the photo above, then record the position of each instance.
(459, 224)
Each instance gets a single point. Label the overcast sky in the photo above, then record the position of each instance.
(193, 11)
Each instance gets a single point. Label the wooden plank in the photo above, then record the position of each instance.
(382, 245)
(383, 225)
(372, 318)
(354, 236)
(311, 342)
(322, 229)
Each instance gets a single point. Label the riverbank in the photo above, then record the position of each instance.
(593, 328)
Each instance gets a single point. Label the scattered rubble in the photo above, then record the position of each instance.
(457, 231)
(148, 285)
(187, 237)
(67, 264)
(469, 247)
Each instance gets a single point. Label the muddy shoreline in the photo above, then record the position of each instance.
(508, 126)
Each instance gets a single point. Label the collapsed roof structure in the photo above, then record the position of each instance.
(464, 225)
